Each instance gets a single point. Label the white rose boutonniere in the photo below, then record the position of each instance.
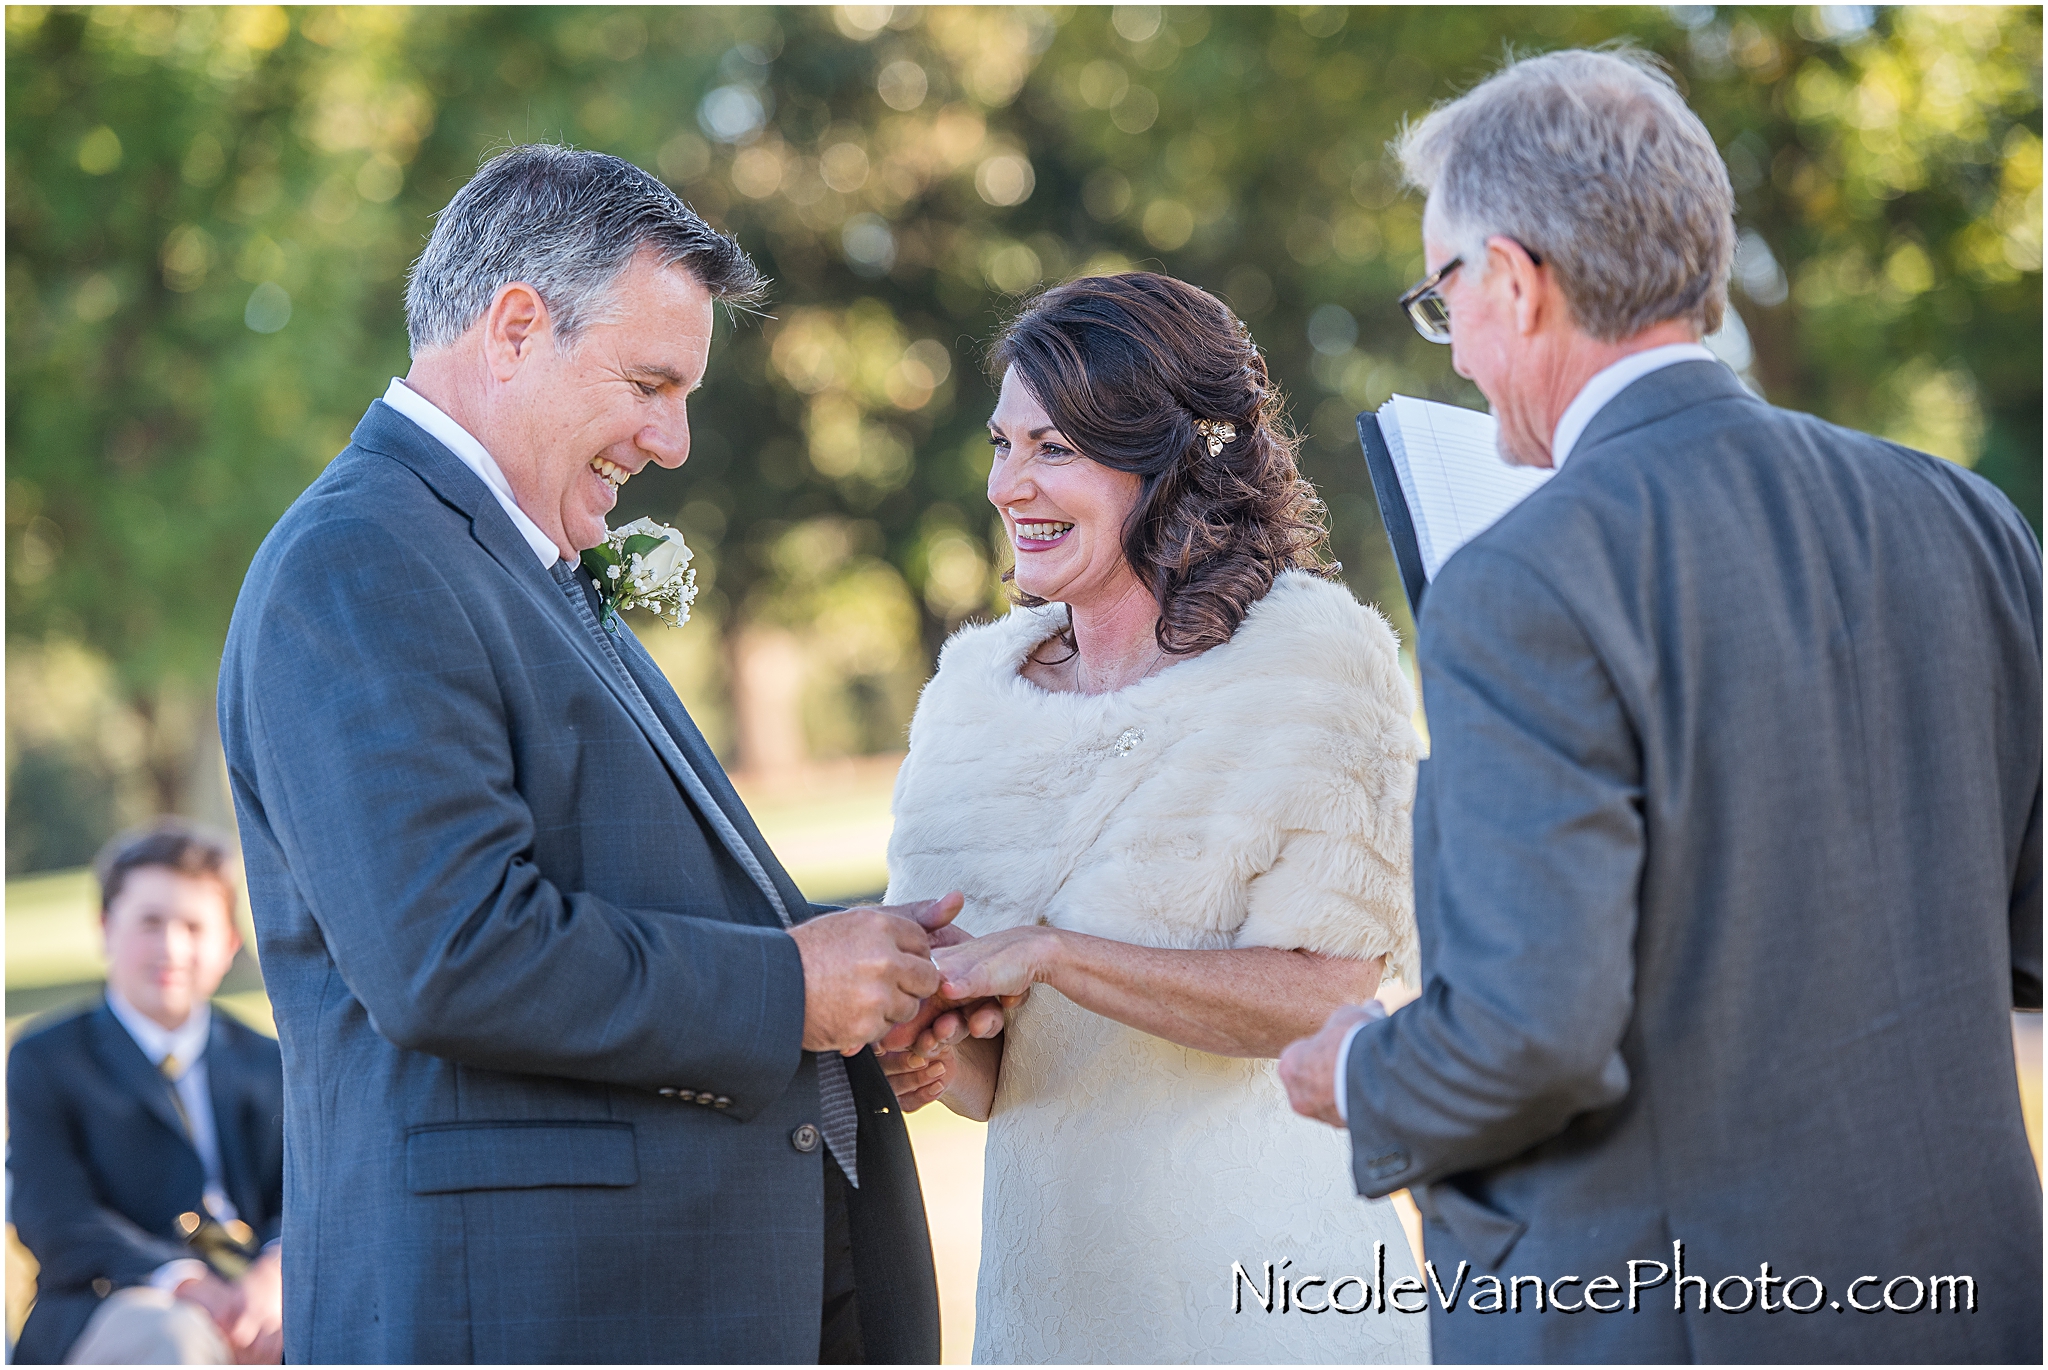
(643, 565)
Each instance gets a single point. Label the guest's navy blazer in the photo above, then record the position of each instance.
(103, 1166)
(542, 1028)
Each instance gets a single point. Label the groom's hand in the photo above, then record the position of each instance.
(935, 916)
(1309, 1067)
(940, 1021)
(864, 969)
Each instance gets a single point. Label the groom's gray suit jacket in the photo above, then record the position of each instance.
(1728, 871)
(545, 1092)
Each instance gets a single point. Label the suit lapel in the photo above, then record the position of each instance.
(695, 781)
(584, 630)
(125, 1064)
(676, 721)
(386, 431)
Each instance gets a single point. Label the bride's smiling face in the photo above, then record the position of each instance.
(1064, 513)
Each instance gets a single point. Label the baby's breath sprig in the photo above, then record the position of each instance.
(643, 565)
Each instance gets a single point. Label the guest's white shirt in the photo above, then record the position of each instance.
(471, 453)
(1605, 384)
(1597, 393)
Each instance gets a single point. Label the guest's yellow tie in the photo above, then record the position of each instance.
(172, 1068)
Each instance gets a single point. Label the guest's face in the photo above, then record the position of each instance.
(169, 940)
(1491, 345)
(1064, 513)
(584, 419)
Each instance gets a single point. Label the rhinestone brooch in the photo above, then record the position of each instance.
(1127, 741)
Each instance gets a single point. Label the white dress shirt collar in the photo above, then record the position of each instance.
(187, 1042)
(1611, 381)
(471, 453)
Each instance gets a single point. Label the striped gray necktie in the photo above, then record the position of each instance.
(839, 1117)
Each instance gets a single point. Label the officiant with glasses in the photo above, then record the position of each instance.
(1728, 849)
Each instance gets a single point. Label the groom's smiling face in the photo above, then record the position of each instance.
(583, 419)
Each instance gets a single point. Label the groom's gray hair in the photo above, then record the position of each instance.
(1593, 162)
(566, 222)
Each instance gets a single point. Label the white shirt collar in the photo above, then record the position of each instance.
(187, 1042)
(1608, 383)
(471, 453)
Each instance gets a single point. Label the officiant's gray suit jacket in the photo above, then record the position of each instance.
(1728, 871)
(545, 1098)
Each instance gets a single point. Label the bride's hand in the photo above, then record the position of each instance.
(918, 1078)
(927, 1068)
(1003, 965)
(948, 935)
(941, 1022)
(921, 1073)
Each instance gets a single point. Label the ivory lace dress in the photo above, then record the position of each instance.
(1256, 795)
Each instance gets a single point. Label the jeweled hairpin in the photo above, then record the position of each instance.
(1217, 431)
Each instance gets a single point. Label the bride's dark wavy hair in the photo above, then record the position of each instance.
(1125, 365)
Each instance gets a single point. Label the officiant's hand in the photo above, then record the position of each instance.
(867, 968)
(1309, 1067)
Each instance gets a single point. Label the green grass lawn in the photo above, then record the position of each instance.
(52, 935)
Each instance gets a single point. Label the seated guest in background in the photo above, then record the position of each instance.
(145, 1134)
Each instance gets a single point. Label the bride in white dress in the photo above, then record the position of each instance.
(1174, 787)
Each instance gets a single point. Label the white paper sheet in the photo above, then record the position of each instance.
(1452, 474)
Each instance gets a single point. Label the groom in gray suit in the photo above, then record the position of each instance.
(572, 1071)
(1728, 850)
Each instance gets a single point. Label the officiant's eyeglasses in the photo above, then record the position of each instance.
(1427, 310)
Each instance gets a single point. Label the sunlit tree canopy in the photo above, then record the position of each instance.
(210, 213)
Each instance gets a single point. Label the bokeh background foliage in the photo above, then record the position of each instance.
(210, 212)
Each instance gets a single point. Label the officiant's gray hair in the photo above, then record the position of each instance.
(1593, 162)
(566, 222)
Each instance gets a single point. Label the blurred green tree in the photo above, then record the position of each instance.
(201, 246)
(210, 212)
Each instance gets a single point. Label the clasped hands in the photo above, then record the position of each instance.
(878, 976)
(249, 1312)
(980, 977)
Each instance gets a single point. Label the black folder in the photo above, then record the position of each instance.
(1386, 487)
